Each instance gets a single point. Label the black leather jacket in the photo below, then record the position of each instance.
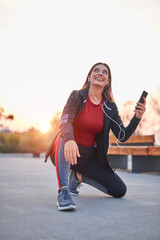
(112, 120)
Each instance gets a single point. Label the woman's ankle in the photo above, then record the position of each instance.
(78, 176)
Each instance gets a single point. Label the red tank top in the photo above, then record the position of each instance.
(88, 123)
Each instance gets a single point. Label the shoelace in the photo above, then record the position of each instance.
(66, 194)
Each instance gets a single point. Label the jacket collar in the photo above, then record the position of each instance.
(84, 94)
(108, 106)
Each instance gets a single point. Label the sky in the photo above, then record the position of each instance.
(47, 48)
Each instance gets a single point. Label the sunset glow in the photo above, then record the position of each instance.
(44, 127)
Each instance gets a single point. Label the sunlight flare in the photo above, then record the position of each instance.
(44, 127)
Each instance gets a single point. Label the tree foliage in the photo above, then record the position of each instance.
(31, 141)
(4, 116)
(9, 142)
(55, 122)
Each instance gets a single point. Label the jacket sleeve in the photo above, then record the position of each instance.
(68, 117)
(123, 133)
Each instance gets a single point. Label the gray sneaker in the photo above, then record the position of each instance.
(73, 183)
(64, 200)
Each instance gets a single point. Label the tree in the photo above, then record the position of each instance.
(34, 142)
(9, 142)
(152, 117)
(4, 116)
(55, 122)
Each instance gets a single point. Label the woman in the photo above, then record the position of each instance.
(81, 146)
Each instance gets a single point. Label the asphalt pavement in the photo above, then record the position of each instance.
(28, 192)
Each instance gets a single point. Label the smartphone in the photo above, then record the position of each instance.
(144, 94)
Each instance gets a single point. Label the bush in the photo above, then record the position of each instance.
(32, 141)
(9, 142)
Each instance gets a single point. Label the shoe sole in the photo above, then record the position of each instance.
(70, 207)
(74, 194)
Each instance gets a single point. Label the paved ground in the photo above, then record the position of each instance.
(28, 191)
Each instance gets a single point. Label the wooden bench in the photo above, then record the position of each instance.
(145, 157)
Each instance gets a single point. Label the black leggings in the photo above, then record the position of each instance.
(93, 173)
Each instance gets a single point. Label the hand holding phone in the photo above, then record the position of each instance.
(140, 107)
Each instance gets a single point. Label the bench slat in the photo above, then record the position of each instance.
(135, 139)
(128, 150)
(153, 151)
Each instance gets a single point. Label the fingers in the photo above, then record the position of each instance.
(71, 152)
(71, 156)
(77, 152)
(140, 108)
(141, 105)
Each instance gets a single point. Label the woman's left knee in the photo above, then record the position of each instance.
(120, 192)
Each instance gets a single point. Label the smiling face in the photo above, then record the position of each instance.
(99, 76)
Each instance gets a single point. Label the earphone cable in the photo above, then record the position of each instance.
(119, 125)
